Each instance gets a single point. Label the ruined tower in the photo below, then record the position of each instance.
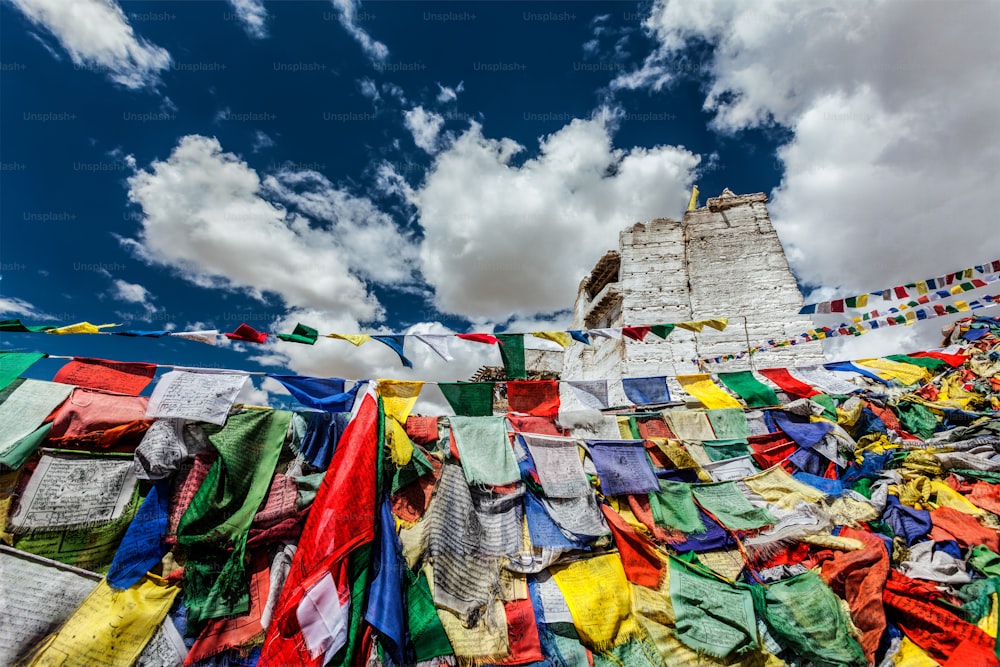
(722, 260)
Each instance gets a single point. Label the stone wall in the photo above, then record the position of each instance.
(723, 260)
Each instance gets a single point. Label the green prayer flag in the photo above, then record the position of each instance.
(214, 528)
(484, 450)
(805, 614)
(929, 363)
(512, 353)
(829, 407)
(16, 326)
(415, 468)
(662, 330)
(713, 615)
(469, 399)
(720, 450)
(301, 334)
(985, 561)
(727, 504)
(916, 419)
(673, 507)
(755, 393)
(19, 452)
(729, 423)
(12, 364)
(426, 632)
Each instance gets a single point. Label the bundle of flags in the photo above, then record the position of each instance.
(797, 516)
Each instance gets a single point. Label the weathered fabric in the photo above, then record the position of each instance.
(469, 399)
(484, 450)
(622, 467)
(197, 396)
(215, 526)
(804, 613)
(534, 397)
(110, 628)
(639, 559)
(755, 393)
(729, 423)
(428, 638)
(597, 593)
(116, 376)
(398, 399)
(12, 364)
(673, 507)
(325, 394)
(690, 425)
(512, 355)
(74, 492)
(21, 415)
(557, 462)
(143, 545)
(712, 616)
(592, 393)
(727, 504)
(646, 390)
(466, 580)
(578, 517)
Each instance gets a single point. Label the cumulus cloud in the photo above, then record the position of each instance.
(348, 11)
(889, 174)
(134, 293)
(252, 15)
(425, 126)
(96, 34)
(502, 239)
(447, 94)
(207, 215)
(11, 306)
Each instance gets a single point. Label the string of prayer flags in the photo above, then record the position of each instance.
(646, 390)
(120, 377)
(622, 467)
(397, 399)
(357, 340)
(702, 388)
(580, 336)
(300, 334)
(12, 364)
(512, 355)
(635, 333)
(320, 393)
(534, 397)
(247, 334)
(197, 396)
(921, 287)
(438, 343)
(469, 399)
(484, 450)
(755, 393)
(662, 330)
(395, 343)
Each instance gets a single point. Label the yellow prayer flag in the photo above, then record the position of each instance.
(599, 600)
(561, 337)
(719, 324)
(962, 306)
(398, 398)
(712, 397)
(355, 339)
(693, 202)
(862, 301)
(907, 374)
(692, 326)
(921, 287)
(956, 289)
(81, 328)
(110, 627)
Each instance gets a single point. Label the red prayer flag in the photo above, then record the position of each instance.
(522, 633)
(636, 333)
(533, 397)
(247, 333)
(901, 292)
(837, 306)
(342, 519)
(639, 558)
(479, 338)
(117, 376)
(788, 384)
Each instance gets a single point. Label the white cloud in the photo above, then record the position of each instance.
(97, 34)
(253, 16)
(206, 215)
(11, 306)
(891, 170)
(261, 140)
(503, 240)
(446, 94)
(425, 126)
(254, 393)
(348, 9)
(133, 293)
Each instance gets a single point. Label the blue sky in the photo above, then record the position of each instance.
(447, 166)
